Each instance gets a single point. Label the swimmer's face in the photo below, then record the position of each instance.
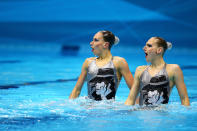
(151, 49)
(98, 44)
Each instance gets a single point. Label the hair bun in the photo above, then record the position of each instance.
(169, 44)
(117, 40)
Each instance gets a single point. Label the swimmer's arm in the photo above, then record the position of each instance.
(77, 89)
(180, 85)
(124, 70)
(134, 90)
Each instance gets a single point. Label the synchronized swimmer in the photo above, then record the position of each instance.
(103, 73)
(154, 83)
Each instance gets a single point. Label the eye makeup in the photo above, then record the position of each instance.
(95, 39)
(149, 45)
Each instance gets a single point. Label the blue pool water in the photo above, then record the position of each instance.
(37, 87)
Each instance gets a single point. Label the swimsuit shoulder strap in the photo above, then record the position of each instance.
(93, 61)
(145, 72)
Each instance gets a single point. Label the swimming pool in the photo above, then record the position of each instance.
(35, 89)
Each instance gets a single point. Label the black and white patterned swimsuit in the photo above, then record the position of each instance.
(154, 90)
(102, 82)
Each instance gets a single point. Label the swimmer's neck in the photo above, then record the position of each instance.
(157, 63)
(105, 55)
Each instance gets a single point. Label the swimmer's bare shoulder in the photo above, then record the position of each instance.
(173, 69)
(117, 60)
(140, 70)
(120, 63)
(88, 61)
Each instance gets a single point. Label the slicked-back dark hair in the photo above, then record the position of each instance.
(108, 36)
